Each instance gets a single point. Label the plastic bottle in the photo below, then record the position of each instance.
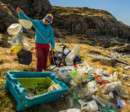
(90, 106)
(73, 73)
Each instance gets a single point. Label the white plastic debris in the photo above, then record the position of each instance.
(99, 71)
(127, 67)
(26, 45)
(111, 86)
(111, 78)
(14, 29)
(25, 23)
(92, 87)
(71, 110)
(75, 52)
(90, 106)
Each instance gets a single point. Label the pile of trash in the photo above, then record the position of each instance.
(92, 89)
(19, 45)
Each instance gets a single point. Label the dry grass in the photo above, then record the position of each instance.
(9, 63)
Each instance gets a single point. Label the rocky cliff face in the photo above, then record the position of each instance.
(71, 20)
(90, 22)
(33, 8)
(7, 16)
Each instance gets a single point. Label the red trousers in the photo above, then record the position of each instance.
(42, 53)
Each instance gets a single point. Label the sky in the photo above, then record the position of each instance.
(119, 8)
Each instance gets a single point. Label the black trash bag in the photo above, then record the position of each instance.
(77, 60)
(24, 57)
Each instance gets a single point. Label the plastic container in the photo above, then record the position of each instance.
(92, 86)
(71, 110)
(14, 29)
(21, 96)
(70, 57)
(90, 106)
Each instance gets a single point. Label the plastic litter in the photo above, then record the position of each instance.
(71, 110)
(73, 73)
(120, 103)
(60, 55)
(90, 106)
(111, 86)
(14, 29)
(70, 57)
(54, 87)
(111, 78)
(18, 39)
(63, 73)
(92, 87)
(99, 71)
(127, 67)
(16, 48)
(90, 71)
(103, 105)
(25, 23)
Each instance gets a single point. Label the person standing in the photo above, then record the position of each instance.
(44, 37)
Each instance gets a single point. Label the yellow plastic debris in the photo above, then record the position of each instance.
(16, 48)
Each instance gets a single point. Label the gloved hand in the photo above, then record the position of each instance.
(53, 50)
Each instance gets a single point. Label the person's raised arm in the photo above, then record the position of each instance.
(52, 39)
(22, 15)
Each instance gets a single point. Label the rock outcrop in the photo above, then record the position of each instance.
(90, 22)
(7, 16)
(33, 8)
(93, 22)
